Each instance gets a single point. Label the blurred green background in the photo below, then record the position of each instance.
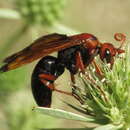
(33, 18)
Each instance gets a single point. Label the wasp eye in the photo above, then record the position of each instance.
(107, 52)
(107, 55)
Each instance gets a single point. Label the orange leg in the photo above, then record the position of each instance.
(45, 80)
(98, 69)
(47, 77)
(79, 62)
(72, 78)
(81, 66)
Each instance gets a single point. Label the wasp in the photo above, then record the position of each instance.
(75, 53)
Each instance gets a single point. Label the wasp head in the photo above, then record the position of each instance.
(108, 51)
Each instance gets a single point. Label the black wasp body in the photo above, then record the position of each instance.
(50, 65)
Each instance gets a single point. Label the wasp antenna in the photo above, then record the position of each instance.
(121, 38)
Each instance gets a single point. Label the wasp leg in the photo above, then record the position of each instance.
(72, 78)
(74, 87)
(98, 69)
(79, 62)
(46, 78)
(73, 82)
(79, 65)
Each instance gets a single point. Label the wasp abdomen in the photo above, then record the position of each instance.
(51, 69)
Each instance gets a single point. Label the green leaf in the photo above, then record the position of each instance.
(62, 114)
(108, 127)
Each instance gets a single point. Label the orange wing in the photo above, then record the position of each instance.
(39, 48)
